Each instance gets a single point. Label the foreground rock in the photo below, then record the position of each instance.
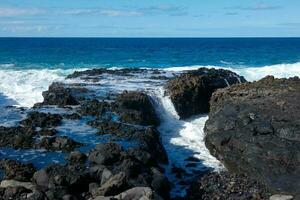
(191, 91)
(253, 128)
(143, 193)
(225, 186)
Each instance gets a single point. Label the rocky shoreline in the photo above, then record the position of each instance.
(125, 158)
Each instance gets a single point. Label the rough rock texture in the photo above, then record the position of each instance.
(226, 186)
(190, 92)
(254, 128)
(42, 120)
(136, 108)
(16, 137)
(57, 94)
(147, 137)
(17, 171)
(137, 193)
(58, 143)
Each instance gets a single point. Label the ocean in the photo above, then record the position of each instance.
(29, 65)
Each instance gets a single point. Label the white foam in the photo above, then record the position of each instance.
(182, 140)
(278, 71)
(26, 86)
(252, 73)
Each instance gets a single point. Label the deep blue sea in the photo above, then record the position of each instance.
(65, 53)
(29, 65)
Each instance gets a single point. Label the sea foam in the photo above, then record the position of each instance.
(252, 73)
(26, 86)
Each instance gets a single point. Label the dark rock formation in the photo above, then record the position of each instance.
(58, 143)
(96, 72)
(57, 94)
(16, 137)
(253, 128)
(42, 120)
(147, 137)
(224, 186)
(17, 171)
(61, 179)
(191, 91)
(136, 108)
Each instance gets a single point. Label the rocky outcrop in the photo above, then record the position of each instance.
(16, 137)
(17, 171)
(253, 128)
(41, 120)
(57, 94)
(226, 186)
(190, 92)
(136, 108)
(58, 143)
(147, 137)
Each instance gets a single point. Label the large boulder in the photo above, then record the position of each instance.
(190, 92)
(255, 128)
(136, 108)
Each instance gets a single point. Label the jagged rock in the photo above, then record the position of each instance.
(253, 128)
(93, 107)
(16, 137)
(57, 94)
(58, 143)
(17, 171)
(190, 92)
(15, 193)
(57, 177)
(96, 72)
(136, 108)
(106, 153)
(115, 185)
(76, 157)
(148, 138)
(42, 120)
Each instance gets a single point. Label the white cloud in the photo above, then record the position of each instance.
(120, 13)
(257, 7)
(11, 12)
(80, 11)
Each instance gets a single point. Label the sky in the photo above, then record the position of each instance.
(149, 18)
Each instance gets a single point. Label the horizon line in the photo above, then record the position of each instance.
(146, 37)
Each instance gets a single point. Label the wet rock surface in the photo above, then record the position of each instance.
(59, 95)
(225, 186)
(190, 92)
(122, 156)
(253, 128)
(110, 168)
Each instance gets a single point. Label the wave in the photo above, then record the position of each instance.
(253, 73)
(26, 86)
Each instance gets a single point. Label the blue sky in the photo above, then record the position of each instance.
(151, 18)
